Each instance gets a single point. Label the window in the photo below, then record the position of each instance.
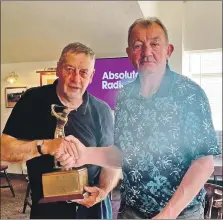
(205, 68)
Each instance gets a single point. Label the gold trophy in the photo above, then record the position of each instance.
(63, 185)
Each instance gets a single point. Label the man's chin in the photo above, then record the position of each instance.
(147, 70)
(74, 95)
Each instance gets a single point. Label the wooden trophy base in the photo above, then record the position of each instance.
(64, 185)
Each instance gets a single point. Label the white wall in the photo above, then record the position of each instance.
(203, 25)
(192, 25)
(171, 14)
(149, 8)
(27, 76)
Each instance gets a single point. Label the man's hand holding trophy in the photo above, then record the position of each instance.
(63, 184)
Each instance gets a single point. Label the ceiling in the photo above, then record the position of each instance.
(35, 31)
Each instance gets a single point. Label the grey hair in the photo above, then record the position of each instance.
(145, 22)
(76, 48)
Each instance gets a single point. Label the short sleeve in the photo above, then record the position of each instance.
(107, 127)
(200, 136)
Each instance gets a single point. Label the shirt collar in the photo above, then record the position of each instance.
(164, 89)
(83, 107)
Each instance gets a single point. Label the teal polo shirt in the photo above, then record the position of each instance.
(160, 137)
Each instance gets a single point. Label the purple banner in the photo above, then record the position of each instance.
(110, 75)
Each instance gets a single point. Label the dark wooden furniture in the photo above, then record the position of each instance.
(27, 197)
(3, 169)
(214, 199)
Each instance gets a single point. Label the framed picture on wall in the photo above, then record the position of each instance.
(12, 95)
(47, 77)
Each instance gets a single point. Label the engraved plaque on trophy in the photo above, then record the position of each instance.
(63, 185)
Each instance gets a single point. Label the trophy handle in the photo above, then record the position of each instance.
(62, 119)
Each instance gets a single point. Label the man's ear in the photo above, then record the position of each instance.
(170, 50)
(133, 57)
(129, 53)
(92, 75)
(130, 56)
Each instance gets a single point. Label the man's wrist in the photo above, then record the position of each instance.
(44, 148)
(104, 193)
(89, 157)
(39, 146)
(167, 213)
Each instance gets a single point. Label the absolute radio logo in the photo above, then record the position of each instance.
(109, 77)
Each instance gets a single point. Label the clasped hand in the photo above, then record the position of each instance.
(70, 154)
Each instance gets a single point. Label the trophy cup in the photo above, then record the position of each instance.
(63, 185)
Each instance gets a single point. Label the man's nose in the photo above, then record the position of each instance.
(75, 76)
(147, 50)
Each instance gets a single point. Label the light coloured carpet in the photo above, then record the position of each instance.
(11, 207)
